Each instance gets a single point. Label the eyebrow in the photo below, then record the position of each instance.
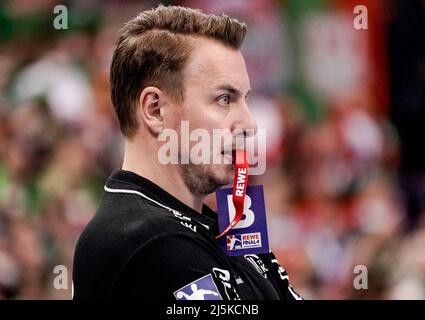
(229, 88)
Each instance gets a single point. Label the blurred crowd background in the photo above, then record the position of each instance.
(344, 111)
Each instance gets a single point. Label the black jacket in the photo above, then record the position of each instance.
(145, 244)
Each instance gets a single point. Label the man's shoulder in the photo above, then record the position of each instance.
(131, 220)
(123, 225)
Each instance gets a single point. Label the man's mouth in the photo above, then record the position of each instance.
(229, 157)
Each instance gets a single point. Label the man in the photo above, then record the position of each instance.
(152, 237)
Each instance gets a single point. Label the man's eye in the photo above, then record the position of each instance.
(224, 100)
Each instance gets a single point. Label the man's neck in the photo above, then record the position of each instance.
(167, 176)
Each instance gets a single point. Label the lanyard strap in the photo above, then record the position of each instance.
(240, 183)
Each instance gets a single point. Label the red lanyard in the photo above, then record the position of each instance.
(240, 183)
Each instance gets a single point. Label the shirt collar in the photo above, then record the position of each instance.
(122, 179)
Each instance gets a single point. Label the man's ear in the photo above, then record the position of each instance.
(151, 100)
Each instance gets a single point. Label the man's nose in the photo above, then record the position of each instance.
(244, 121)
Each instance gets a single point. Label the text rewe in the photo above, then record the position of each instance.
(241, 180)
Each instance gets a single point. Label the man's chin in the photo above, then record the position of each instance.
(203, 180)
(225, 174)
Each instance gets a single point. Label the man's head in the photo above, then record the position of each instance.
(174, 64)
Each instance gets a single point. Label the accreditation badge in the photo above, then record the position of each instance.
(249, 235)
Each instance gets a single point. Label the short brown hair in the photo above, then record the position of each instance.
(152, 51)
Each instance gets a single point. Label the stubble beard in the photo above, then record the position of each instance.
(199, 180)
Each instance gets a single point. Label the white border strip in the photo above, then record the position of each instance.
(147, 198)
(138, 193)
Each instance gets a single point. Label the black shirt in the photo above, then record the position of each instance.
(145, 244)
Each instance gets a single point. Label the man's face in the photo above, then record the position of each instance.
(216, 88)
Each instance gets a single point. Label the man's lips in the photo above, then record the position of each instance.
(232, 154)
